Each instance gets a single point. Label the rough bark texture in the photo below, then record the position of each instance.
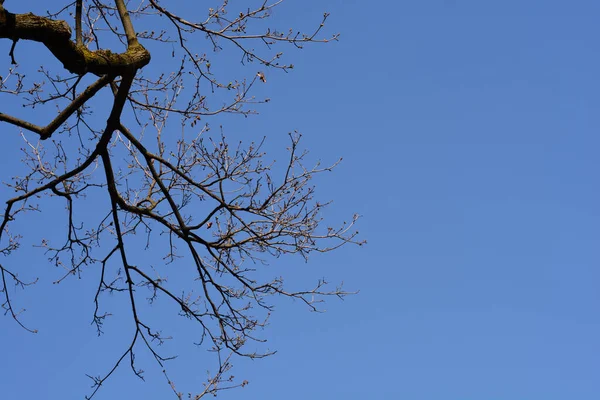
(56, 36)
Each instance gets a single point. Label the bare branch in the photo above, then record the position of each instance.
(216, 208)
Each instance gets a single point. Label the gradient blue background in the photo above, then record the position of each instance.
(469, 131)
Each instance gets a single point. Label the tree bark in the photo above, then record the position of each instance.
(56, 36)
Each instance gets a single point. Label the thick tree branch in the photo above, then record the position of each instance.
(127, 26)
(56, 36)
(78, 16)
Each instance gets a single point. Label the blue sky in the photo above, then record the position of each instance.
(469, 132)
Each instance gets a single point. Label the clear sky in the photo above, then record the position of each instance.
(470, 137)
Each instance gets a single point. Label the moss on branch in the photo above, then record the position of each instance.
(56, 36)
